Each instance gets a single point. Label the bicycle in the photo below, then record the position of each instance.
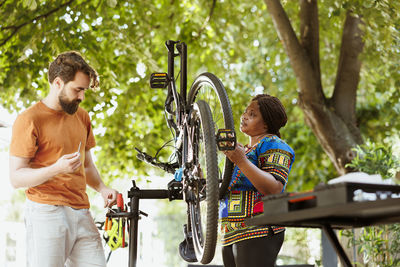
(198, 131)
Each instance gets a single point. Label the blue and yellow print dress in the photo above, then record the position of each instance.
(242, 199)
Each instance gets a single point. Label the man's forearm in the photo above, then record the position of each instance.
(93, 178)
(29, 177)
(22, 175)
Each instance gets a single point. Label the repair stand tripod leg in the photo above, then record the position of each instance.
(133, 230)
(336, 245)
(135, 194)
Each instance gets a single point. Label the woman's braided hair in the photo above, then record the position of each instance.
(272, 111)
(67, 64)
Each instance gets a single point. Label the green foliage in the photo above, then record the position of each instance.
(380, 245)
(375, 158)
(235, 40)
(311, 165)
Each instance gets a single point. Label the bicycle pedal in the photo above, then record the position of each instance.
(226, 139)
(159, 80)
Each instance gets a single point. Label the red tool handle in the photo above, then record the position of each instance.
(106, 225)
(300, 197)
(120, 202)
(120, 205)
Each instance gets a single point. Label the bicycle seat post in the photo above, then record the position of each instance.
(171, 76)
(182, 49)
(171, 54)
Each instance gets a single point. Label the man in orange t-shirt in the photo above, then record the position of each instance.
(50, 156)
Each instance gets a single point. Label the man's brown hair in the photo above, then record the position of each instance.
(67, 64)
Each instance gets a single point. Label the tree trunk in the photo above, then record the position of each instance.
(332, 120)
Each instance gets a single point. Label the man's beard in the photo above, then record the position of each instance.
(69, 107)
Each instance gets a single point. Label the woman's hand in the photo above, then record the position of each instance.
(238, 155)
(263, 181)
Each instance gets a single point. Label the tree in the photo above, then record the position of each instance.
(332, 119)
(233, 39)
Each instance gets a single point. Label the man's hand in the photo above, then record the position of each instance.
(69, 163)
(93, 179)
(109, 195)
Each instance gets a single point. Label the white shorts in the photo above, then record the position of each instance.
(59, 236)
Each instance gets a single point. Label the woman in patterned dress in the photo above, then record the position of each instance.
(261, 168)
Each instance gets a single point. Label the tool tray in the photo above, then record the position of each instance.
(340, 205)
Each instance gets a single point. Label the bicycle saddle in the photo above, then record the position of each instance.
(186, 247)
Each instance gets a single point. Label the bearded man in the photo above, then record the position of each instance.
(50, 157)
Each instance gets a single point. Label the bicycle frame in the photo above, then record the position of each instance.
(177, 108)
(182, 127)
(194, 131)
(182, 109)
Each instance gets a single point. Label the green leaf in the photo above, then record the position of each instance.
(30, 4)
(112, 3)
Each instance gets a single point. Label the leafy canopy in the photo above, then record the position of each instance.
(235, 40)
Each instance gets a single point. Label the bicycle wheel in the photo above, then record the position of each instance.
(209, 88)
(202, 194)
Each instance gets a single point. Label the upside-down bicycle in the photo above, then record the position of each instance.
(201, 122)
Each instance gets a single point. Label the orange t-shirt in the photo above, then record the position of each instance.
(44, 135)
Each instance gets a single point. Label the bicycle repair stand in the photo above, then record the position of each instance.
(173, 192)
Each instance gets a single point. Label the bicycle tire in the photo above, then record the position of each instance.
(204, 140)
(205, 81)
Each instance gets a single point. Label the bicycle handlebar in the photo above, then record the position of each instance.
(152, 161)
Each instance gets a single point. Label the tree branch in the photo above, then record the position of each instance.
(310, 92)
(207, 19)
(209, 16)
(309, 34)
(348, 73)
(2, 3)
(16, 28)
